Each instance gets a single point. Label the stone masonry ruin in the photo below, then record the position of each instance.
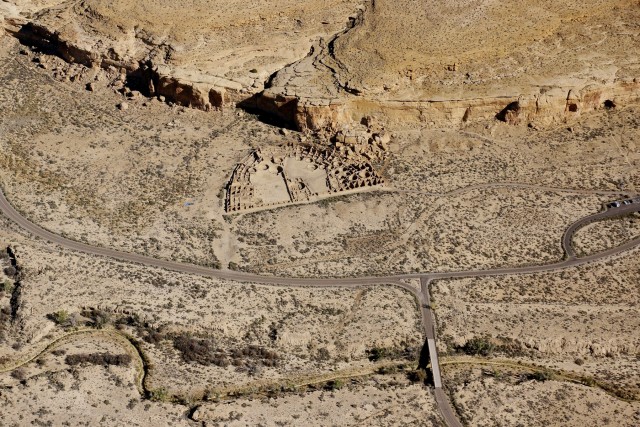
(297, 173)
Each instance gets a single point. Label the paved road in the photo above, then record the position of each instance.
(11, 213)
(567, 238)
(449, 415)
(428, 323)
(421, 294)
(570, 261)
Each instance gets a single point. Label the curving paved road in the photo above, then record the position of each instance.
(422, 294)
(567, 238)
(9, 211)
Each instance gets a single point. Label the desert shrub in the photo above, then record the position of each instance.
(402, 352)
(478, 346)
(203, 351)
(20, 374)
(99, 319)
(543, 375)
(391, 369)
(199, 350)
(150, 334)
(7, 286)
(588, 381)
(60, 317)
(98, 359)
(10, 271)
(336, 384)
(509, 347)
(193, 349)
(417, 376)
(578, 361)
(254, 352)
(376, 354)
(5, 314)
(153, 336)
(159, 395)
(322, 355)
(129, 320)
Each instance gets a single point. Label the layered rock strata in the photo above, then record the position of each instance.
(428, 62)
(446, 63)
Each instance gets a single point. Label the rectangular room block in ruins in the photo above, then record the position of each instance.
(296, 173)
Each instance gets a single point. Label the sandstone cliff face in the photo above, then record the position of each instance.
(565, 60)
(547, 106)
(559, 62)
(208, 55)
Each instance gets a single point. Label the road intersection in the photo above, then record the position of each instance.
(422, 294)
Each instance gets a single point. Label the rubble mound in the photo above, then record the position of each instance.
(301, 173)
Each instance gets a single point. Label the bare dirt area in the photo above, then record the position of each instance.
(598, 152)
(410, 232)
(289, 152)
(340, 236)
(581, 320)
(446, 64)
(378, 401)
(202, 54)
(55, 391)
(489, 397)
(108, 173)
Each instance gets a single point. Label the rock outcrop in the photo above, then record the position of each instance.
(548, 64)
(423, 62)
(206, 56)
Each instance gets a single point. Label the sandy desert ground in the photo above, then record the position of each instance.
(493, 127)
(193, 339)
(602, 235)
(162, 171)
(487, 399)
(581, 322)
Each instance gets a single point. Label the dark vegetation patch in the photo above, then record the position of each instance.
(104, 359)
(205, 352)
(97, 318)
(487, 346)
(403, 352)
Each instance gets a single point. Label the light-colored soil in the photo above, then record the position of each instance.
(202, 40)
(484, 400)
(54, 393)
(88, 157)
(587, 313)
(151, 180)
(443, 64)
(309, 330)
(603, 235)
(406, 232)
(493, 46)
(376, 401)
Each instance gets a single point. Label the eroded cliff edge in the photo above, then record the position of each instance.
(446, 63)
(431, 63)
